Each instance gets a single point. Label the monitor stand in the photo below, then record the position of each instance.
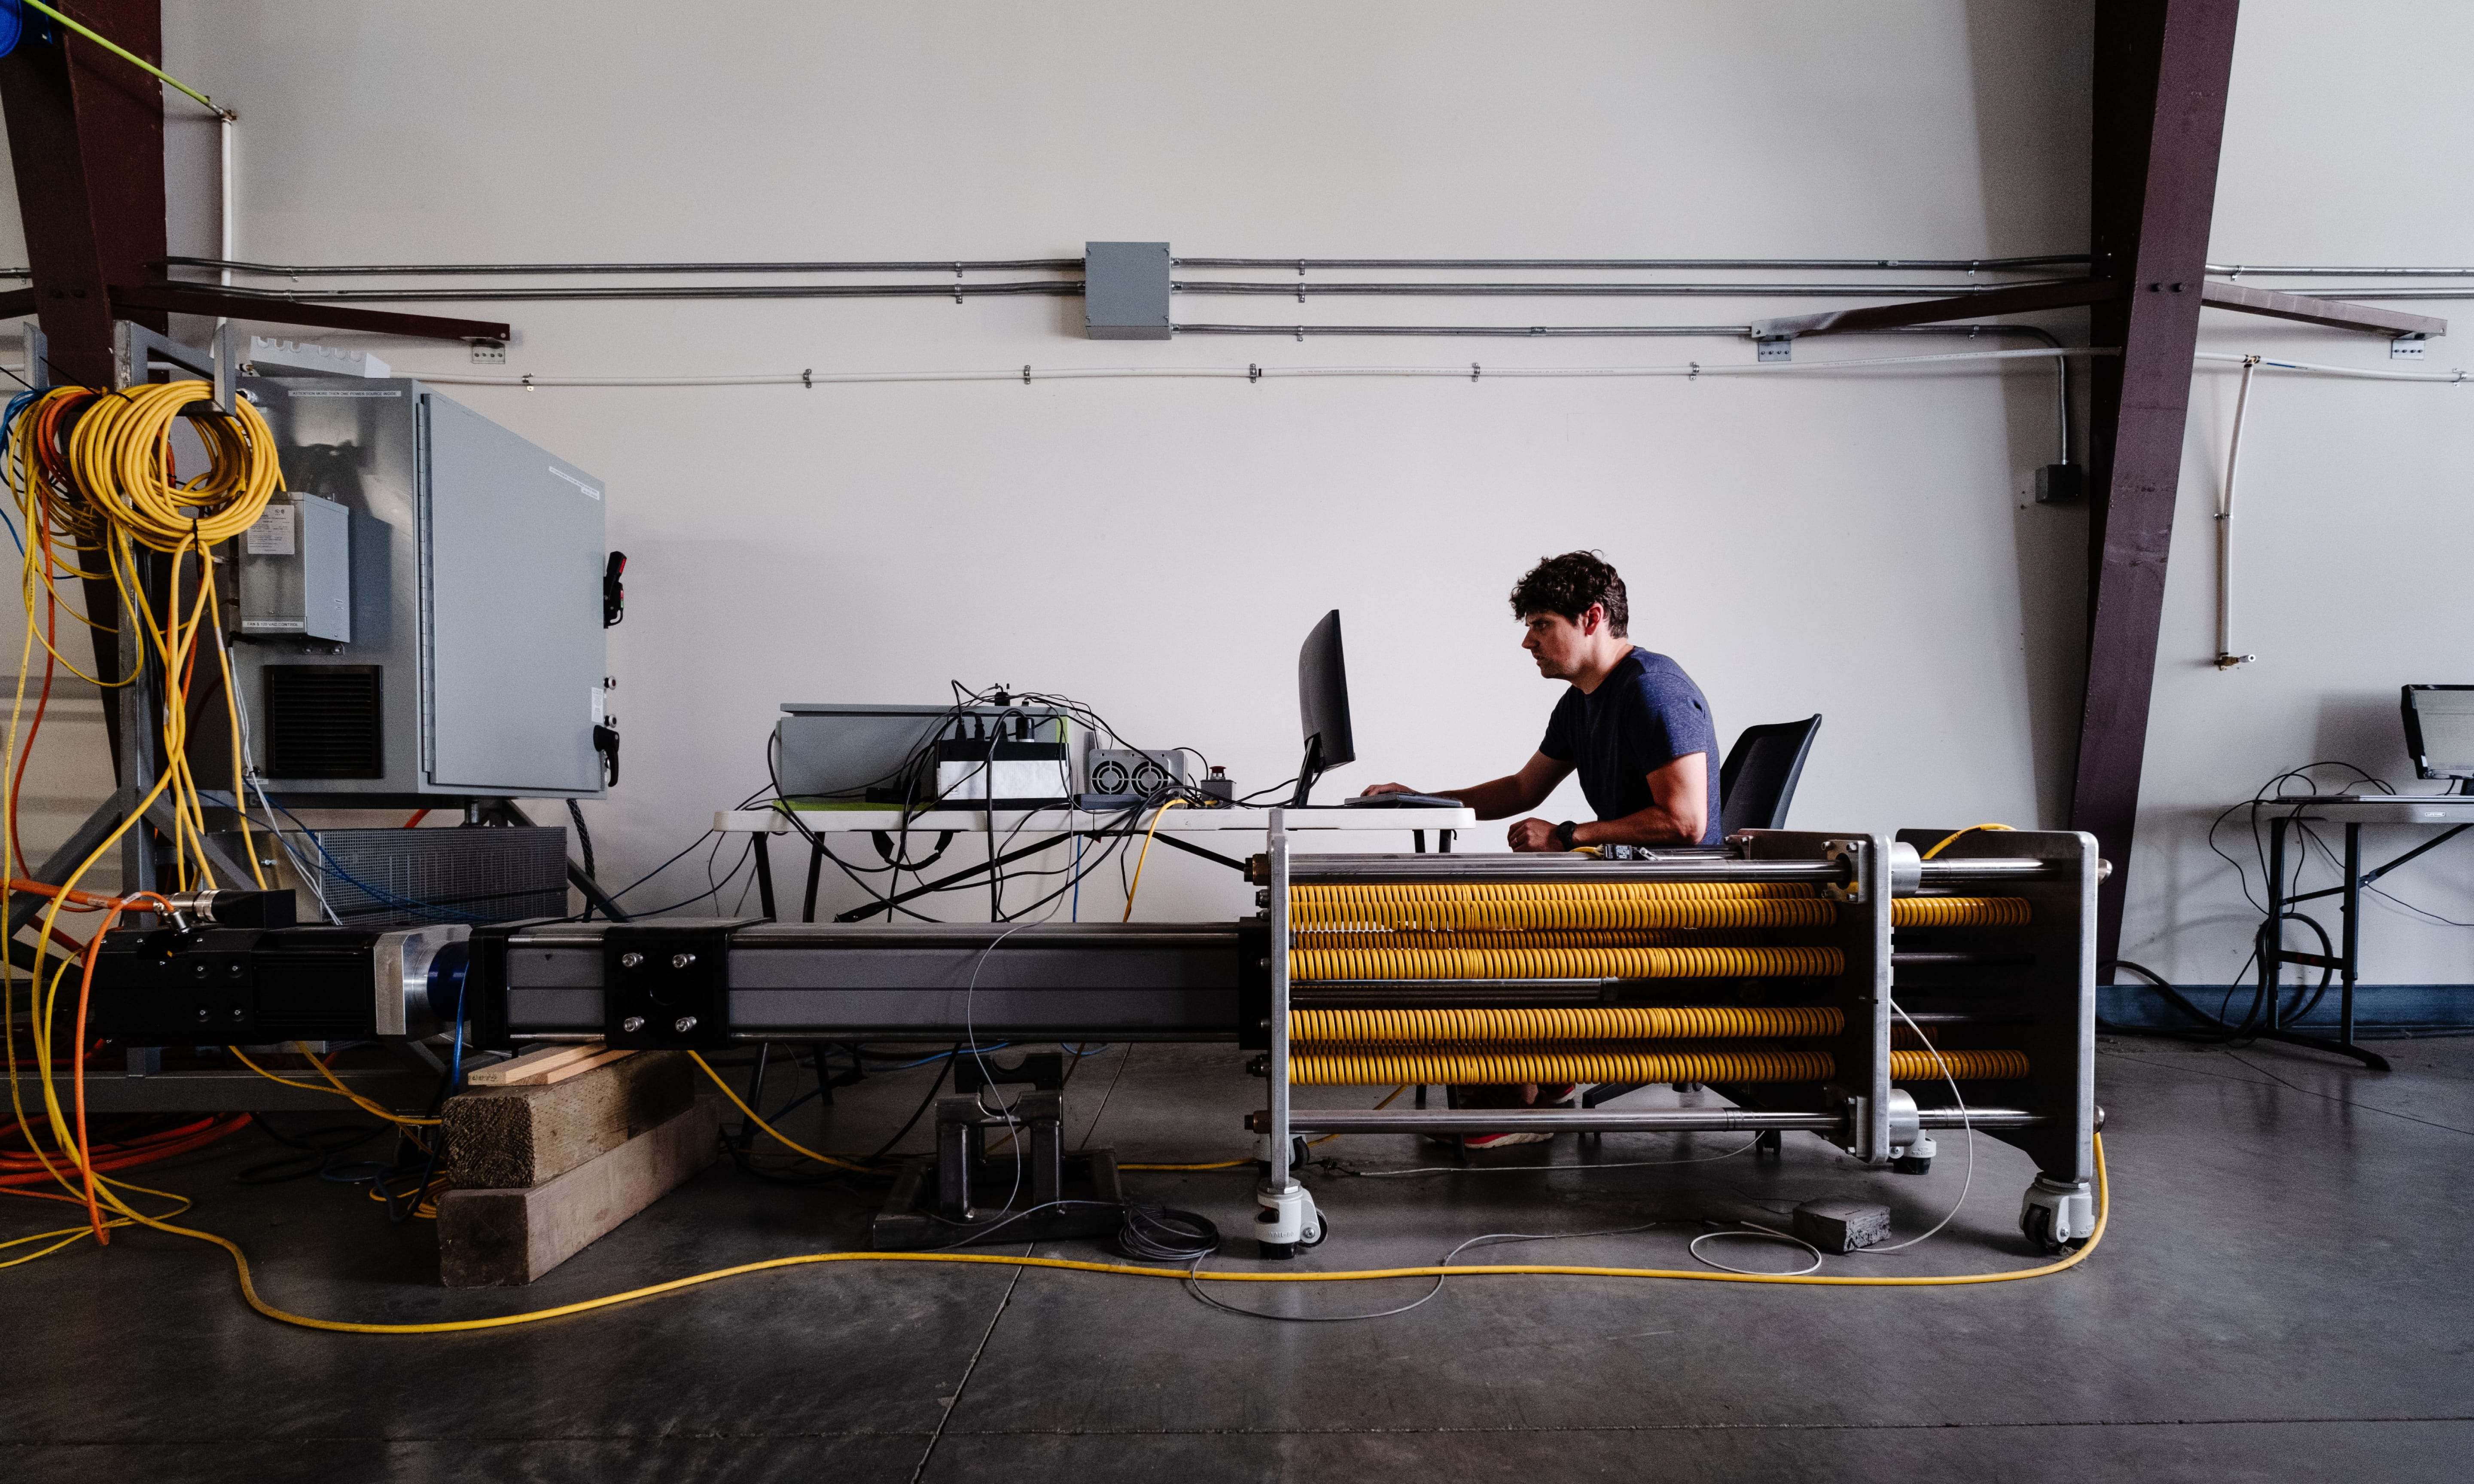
(1309, 771)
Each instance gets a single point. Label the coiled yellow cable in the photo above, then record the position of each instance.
(1563, 963)
(1507, 938)
(1342, 1067)
(1959, 912)
(1542, 890)
(1569, 912)
(1577, 1022)
(121, 455)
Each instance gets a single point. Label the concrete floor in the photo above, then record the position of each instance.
(2278, 1297)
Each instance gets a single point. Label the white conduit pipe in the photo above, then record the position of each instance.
(1469, 372)
(2226, 659)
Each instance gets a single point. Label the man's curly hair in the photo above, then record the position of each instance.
(1567, 585)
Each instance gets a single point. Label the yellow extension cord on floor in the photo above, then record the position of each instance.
(250, 1295)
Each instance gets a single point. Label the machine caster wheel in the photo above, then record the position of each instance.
(1771, 1144)
(2057, 1215)
(1911, 1164)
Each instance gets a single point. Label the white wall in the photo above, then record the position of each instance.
(1861, 545)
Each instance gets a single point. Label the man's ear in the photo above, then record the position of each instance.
(1594, 619)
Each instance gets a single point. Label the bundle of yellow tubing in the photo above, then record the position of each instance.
(1579, 1022)
(1376, 908)
(1563, 963)
(1542, 890)
(1568, 912)
(1375, 1066)
(120, 453)
(1959, 912)
(1509, 938)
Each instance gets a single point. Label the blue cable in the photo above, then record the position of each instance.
(375, 893)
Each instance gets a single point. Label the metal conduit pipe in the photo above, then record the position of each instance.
(1613, 290)
(2299, 270)
(460, 269)
(1061, 288)
(1075, 264)
(1651, 264)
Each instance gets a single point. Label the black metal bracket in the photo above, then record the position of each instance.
(667, 985)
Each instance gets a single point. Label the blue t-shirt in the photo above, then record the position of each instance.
(1647, 715)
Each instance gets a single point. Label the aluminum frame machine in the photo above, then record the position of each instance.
(1766, 971)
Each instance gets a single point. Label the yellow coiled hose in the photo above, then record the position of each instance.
(1959, 912)
(1506, 937)
(1562, 962)
(1350, 1067)
(1542, 890)
(1566, 912)
(1580, 1022)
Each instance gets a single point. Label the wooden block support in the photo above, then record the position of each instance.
(502, 1238)
(505, 1138)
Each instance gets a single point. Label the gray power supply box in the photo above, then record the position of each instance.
(423, 617)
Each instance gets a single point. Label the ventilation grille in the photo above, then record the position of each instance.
(322, 722)
(399, 877)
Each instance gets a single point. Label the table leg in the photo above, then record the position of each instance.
(763, 876)
(2353, 901)
(1445, 838)
(2272, 947)
(816, 872)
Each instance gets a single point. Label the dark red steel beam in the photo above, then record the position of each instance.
(274, 309)
(17, 302)
(2160, 79)
(2334, 313)
(2067, 294)
(85, 141)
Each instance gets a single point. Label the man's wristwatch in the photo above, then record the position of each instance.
(1564, 835)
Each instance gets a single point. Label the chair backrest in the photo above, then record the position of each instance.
(1758, 782)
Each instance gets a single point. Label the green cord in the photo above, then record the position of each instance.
(129, 56)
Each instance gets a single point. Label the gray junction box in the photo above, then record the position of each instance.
(1126, 291)
(468, 658)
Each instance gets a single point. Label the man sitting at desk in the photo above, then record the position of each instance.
(1631, 722)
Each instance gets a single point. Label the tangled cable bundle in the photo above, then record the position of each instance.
(119, 459)
(1695, 963)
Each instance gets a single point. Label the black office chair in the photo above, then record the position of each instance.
(1755, 784)
(1757, 780)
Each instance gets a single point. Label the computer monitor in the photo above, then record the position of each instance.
(1322, 707)
(2439, 731)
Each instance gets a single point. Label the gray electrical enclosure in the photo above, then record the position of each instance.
(466, 659)
(1126, 291)
(296, 571)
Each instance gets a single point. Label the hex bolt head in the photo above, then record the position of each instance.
(683, 1024)
(631, 960)
(681, 960)
(239, 1014)
(632, 1024)
(204, 1015)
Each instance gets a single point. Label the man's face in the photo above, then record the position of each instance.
(1557, 643)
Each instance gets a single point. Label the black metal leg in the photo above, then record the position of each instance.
(2352, 899)
(1443, 837)
(755, 1089)
(2272, 956)
(1418, 841)
(763, 876)
(816, 872)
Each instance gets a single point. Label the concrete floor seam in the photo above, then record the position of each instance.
(955, 1401)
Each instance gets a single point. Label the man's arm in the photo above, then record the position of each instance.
(1500, 798)
(1677, 814)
